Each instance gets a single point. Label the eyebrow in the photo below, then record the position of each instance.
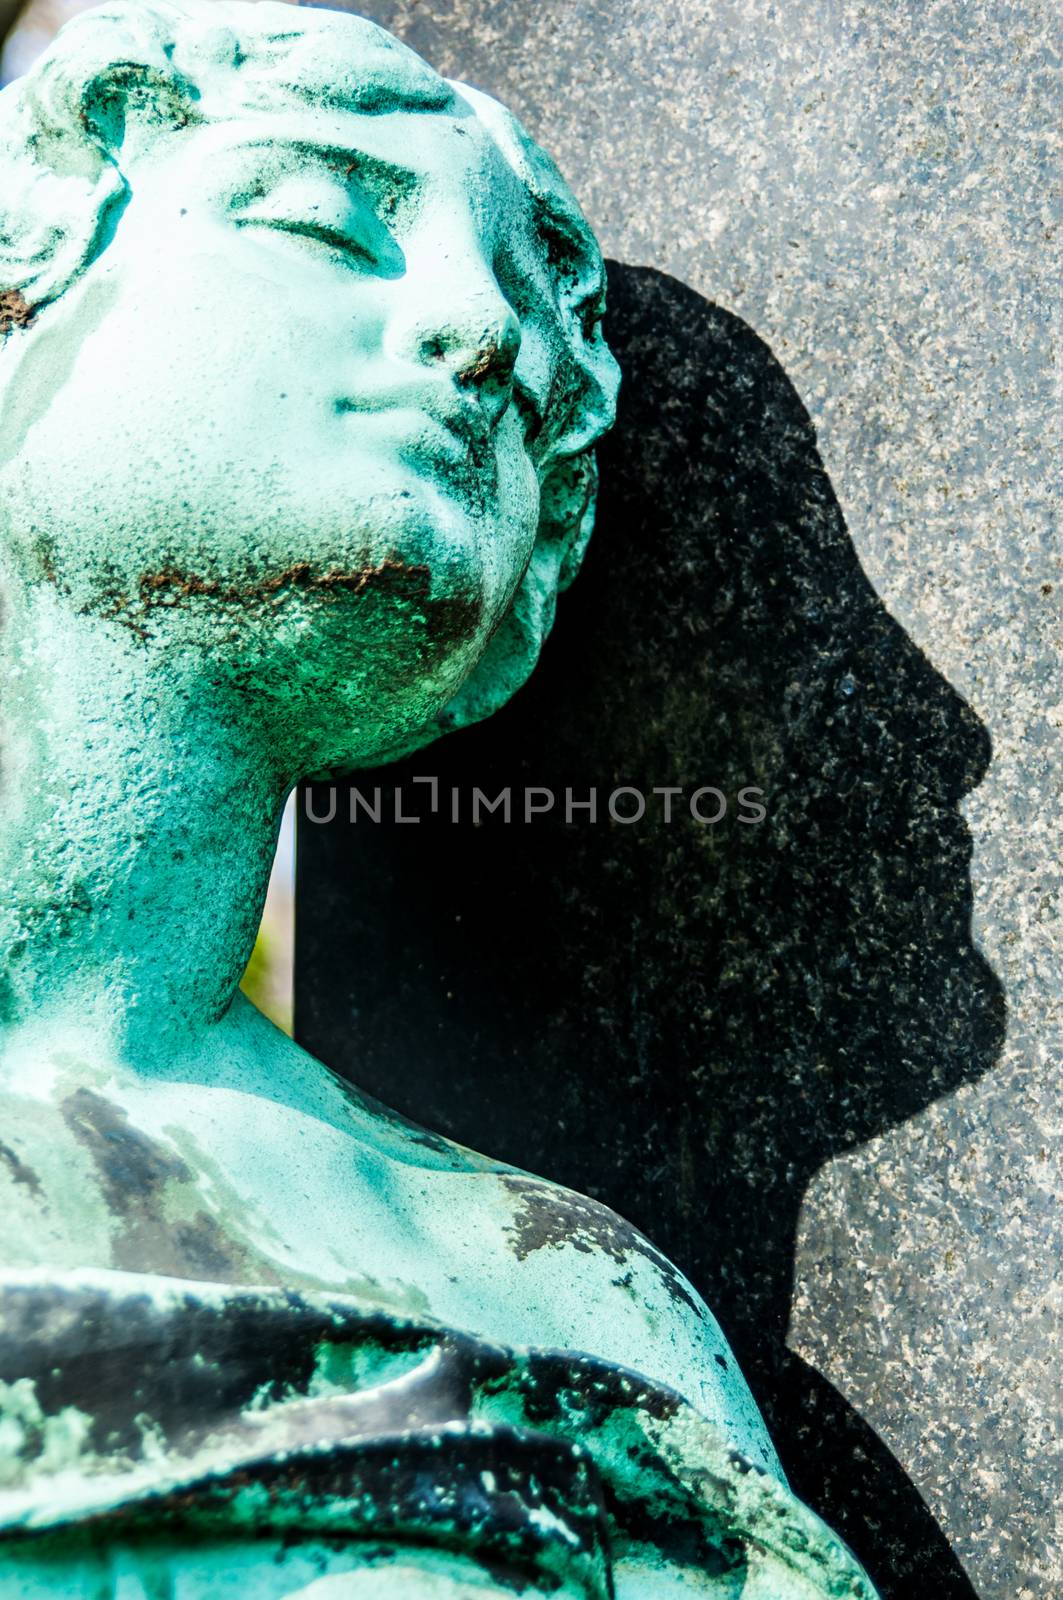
(348, 160)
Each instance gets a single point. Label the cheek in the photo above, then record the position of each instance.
(147, 424)
(111, 416)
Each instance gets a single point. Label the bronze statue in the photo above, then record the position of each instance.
(301, 376)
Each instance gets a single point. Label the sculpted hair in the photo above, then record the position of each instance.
(135, 70)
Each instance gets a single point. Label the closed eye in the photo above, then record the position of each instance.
(321, 232)
(320, 211)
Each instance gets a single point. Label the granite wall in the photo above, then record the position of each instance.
(816, 1059)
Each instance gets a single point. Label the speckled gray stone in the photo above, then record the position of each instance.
(866, 186)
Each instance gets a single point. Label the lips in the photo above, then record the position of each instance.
(428, 433)
(446, 405)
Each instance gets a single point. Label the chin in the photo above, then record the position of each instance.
(449, 514)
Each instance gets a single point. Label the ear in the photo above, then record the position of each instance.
(108, 62)
(62, 128)
(52, 223)
(131, 95)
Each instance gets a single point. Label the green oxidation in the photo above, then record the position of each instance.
(301, 372)
(579, 1476)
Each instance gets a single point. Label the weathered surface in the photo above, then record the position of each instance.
(195, 1434)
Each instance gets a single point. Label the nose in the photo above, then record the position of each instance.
(481, 356)
(477, 342)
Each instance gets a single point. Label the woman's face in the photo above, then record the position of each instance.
(287, 417)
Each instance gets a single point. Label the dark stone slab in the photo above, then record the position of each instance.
(686, 1020)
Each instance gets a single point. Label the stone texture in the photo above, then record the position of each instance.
(865, 186)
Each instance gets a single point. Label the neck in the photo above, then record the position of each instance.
(139, 808)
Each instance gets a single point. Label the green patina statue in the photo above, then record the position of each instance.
(301, 372)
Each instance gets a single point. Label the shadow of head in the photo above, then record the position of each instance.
(726, 633)
(730, 1004)
(687, 1020)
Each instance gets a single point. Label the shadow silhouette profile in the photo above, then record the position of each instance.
(688, 1021)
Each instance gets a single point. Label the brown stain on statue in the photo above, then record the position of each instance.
(172, 588)
(15, 311)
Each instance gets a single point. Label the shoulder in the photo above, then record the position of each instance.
(525, 1262)
(597, 1284)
